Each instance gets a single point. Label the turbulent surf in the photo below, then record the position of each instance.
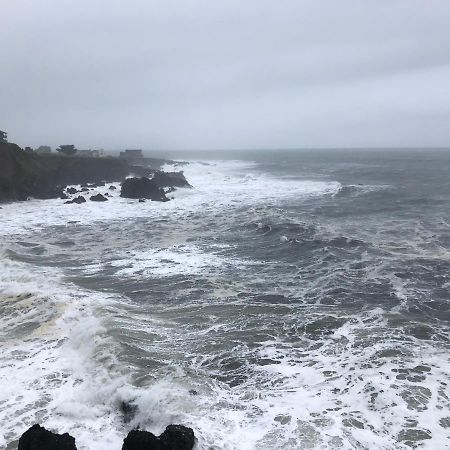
(288, 300)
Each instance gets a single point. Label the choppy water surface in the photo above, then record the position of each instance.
(288, 301)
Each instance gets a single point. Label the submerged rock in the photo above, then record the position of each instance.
(128, 410)
(174, 437)
(98, 198)
(79, 199)
(142, 188)
(38, 438)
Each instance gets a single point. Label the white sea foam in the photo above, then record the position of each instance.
(179, 259)
(47, 369)
(219, 185)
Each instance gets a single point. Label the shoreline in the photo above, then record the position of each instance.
(26, 175)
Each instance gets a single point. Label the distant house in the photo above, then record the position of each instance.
(67, 150)
(28, 149)
(3, 136)
(131, 154)
(43, 149)
(90, 153)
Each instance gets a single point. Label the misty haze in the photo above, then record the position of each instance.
(224, 225)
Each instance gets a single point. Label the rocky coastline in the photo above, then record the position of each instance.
(25, 175)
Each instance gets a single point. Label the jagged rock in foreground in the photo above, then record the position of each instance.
(178, 437)
(142, 188)
(170, 179)
(98, 198)
(174, 437)
(38, 438)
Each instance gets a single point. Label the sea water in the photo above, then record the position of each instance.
(289, 300)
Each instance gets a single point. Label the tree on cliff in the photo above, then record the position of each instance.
(67, 150)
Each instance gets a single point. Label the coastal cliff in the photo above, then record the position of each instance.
(24, 174)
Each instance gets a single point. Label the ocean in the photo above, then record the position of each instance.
(290, 300)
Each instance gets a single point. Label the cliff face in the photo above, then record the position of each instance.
(76, 170)
(24, 174)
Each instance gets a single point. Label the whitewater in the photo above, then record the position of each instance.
(286, 301)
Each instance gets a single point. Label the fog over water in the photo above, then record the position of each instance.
(225, 75)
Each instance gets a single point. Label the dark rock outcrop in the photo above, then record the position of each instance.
(174, 437)
(142, 440)
(178, 437)
(98, 198)
(78, 200)
(38, 438)
(112, 188)
(170, 179)
(71, 190)
(142, 188)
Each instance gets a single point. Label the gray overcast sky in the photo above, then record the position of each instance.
(225, 74)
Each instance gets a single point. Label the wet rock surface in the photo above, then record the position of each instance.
(174, 437)
(78, 200)
(142, 188)
(170, 179)
(38, 438)
(98, 198)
